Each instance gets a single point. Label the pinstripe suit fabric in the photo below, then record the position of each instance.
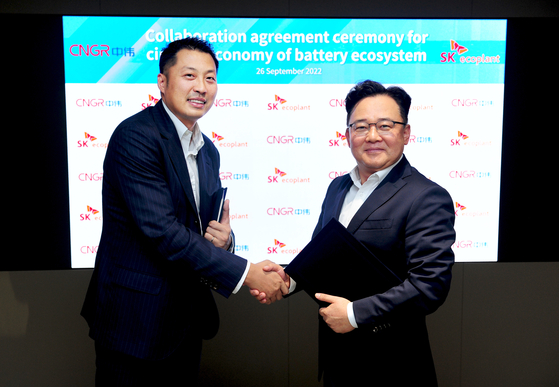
(153, 273)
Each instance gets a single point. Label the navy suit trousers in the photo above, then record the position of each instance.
(120, 370)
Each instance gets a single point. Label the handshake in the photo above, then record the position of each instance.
(267, 281)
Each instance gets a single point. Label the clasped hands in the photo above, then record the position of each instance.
(267, 281)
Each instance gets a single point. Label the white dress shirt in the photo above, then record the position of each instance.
(354, 199)
(191, 142)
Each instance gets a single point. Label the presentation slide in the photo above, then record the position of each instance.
(279, 119)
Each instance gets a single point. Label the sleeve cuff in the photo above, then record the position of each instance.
(292, 285)
(231, 241)
(351, 315)
(243, 277)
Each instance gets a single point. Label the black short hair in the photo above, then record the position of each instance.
(168, 56)
(370, 88)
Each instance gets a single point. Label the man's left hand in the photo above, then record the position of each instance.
(219, 233)
(335, 315)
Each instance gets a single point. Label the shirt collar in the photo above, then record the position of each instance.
(192, 137)
(377, 176)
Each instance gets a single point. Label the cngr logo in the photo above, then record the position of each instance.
(470, 103)
(336, 103)
(469, 174)
(287, 211)
(469, 244)
(333, 174)
(287, 140)
(420, 139)
(95, 176)
(229, 103)
(89, 249)
(233, 176)
(97, 103)
(89, 50)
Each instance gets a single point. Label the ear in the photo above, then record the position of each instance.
(407, 133)
(161, 82)
(347, 137)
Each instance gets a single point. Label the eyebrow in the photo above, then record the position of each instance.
(196, 69)
(366, 120)
(190, 68)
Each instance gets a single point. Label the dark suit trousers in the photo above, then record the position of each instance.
(179, 369)
(398, 356)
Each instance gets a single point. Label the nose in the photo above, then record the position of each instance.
(200, 86)
(372, 134)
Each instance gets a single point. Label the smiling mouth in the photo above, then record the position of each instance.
(197, 101)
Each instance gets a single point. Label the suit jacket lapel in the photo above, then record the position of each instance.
(204, 171)
(387, 188)
(174, 149)
(339, 198)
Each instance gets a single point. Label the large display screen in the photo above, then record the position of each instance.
(279, 117)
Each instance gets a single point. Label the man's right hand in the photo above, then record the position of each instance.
(268, 283)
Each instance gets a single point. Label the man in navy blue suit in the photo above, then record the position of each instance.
(406, 221)
(149, 303)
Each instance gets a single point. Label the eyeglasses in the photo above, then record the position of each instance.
(361, 128)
